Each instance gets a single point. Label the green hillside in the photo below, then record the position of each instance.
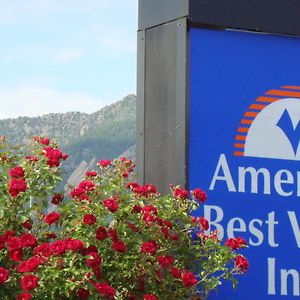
(105, 134)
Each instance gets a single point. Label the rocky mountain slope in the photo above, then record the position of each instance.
(105, 134)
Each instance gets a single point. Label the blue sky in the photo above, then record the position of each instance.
(65, 55)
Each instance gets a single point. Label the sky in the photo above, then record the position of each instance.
(65, 55)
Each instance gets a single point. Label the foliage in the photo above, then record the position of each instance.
(111, 239)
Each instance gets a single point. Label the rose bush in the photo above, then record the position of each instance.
(111, 238)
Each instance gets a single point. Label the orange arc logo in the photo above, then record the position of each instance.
(255, 108)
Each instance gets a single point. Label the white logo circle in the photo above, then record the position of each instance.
(275, 132)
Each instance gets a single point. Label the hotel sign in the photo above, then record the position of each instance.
(244, 132)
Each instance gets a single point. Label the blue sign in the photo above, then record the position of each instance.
(244, 132)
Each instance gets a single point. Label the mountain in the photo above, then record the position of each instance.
(87, 138)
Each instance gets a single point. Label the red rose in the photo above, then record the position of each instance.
(148, 218)
(151, 189)
(119, 246)
(17, 186)
(83, 293)
(44, 141)
(188, 279)
(101, 233)
(14, 244)
(145, 190)
(199, 195)
(42, 250)
(28, 240)
(58, 247)
(29, 282)
(9, 234)
(53, 156)
(111, 204)
(53, 162)
(85, 197)
(27, 224)
(131, 185)
(52, 217)
(97, 272)
(91, 174)
(133, 227)
(235, 243)
(203, 223)
(137, 209)
(22, 268)
(174, 236)
(149, 214)
(113, 234)
(57, 199)
(87, 185)
(65, 156)
(4, 274)
(29, 265)
(24, 296)
(77, 192)
(105, 290)
(80, 193)
(149, 247)
(74, 245)
(150, 209)
(34, 262)
(181, 193)
(241, 241)
(2, 242)
(176, 272)
(125, 160)
(168, 224)
(104, 163)
(16, 172)
(90, 249)
(89, 219)
(165, 232)
(16, 255)
(165, 261)
(232, 243)
(95, 261)
(241, 263)
(150, 297)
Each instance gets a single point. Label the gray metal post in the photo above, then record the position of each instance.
(161, 104)
(162, 83)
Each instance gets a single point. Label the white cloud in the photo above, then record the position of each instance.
(26, 100)
(83, 5)
(18, 11)
(67, 55)
(45, 39)
(42, 52)
(30, 11)
(118, 40)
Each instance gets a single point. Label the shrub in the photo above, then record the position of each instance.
(111, 238)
